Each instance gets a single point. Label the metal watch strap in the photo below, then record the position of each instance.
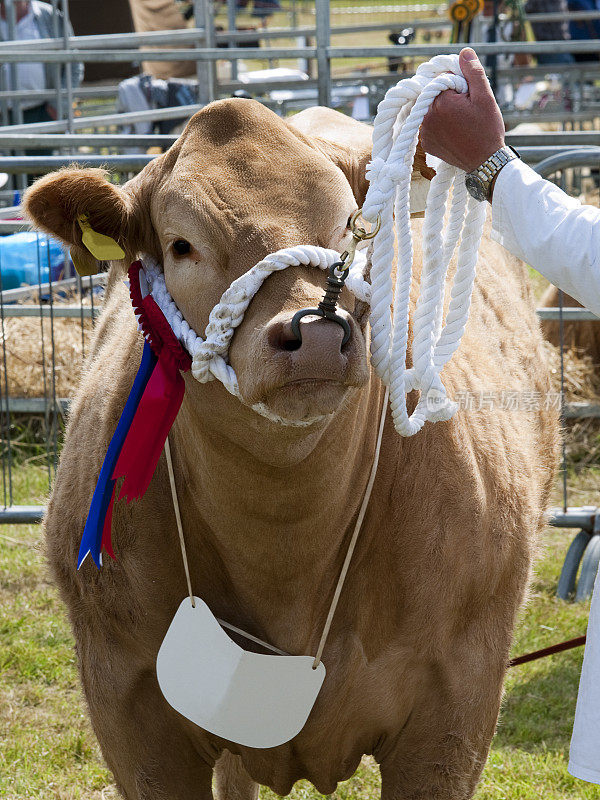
(479, 181)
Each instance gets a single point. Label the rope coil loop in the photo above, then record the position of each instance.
(395, 137)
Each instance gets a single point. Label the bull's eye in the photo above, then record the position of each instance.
(349, 223)
(181, 247)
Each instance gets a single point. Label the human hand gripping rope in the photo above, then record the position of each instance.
(171, 342)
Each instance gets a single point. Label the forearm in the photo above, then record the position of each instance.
(550, 231)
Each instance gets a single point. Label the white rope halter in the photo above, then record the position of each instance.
(395, 137)
(209, 355)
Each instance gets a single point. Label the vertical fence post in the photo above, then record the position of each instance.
(4, 102)
(323, 62)
(207, 70)
(57, 67)
(232, 25)
(16, 113)
(68, 67)
(492, 61)
(6, 444)
(11, 20)
(68, 73)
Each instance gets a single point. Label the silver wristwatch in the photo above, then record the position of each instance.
(479, 182)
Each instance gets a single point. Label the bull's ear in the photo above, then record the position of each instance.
(348, 143)
(55, 202)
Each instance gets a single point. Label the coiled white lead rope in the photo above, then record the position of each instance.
(395, 136)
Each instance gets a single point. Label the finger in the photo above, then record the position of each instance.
(474, 73)
(449, 107)
(448, 100)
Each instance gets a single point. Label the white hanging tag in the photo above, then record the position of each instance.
(419, 188)
(251, 699)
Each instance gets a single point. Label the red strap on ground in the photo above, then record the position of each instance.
(548, 651)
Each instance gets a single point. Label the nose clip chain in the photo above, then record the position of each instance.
(336, 278)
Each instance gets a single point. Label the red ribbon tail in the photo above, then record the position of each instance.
(153, 420)
(106, 543)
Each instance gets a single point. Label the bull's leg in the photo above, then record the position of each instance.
(447, 768)
(232, 782)
(441, 751)
(146, 745)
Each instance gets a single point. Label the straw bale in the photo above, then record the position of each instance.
(582, 374)
(27, 353)
(582, 384)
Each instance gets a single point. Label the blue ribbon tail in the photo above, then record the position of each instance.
(91, 541)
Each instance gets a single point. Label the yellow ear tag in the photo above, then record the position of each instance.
(85, 263)
(102, 247)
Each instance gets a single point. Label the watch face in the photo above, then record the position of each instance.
(476, 188)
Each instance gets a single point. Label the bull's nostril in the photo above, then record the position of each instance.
(291, 344)
(281, 337)
(320, 336)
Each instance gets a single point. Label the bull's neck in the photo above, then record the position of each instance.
(287, 524)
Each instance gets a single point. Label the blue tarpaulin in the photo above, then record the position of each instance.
(28, 257)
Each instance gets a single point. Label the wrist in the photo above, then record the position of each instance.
(492, 184)
(478, 158)
(480, 182)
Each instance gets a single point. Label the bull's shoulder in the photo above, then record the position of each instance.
(502, 281)
(109, 370)
(332, 126)
(507, 423)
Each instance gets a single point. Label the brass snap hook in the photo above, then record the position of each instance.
(336, 279)
(359, 234)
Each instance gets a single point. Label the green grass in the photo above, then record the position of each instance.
(539, 284)
(47, 749)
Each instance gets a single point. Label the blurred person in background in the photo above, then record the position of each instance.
(501, 27)
(34, 21)
(550, 31)
(263, 9)
(585, 28)
(163, 15)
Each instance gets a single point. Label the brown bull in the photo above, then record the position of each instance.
(418, 649)
(583, 337)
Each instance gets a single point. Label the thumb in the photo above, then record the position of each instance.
(474, 73)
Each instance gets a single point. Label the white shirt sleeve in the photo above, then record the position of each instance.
(549, 230)
(584, 757)
(560, 238)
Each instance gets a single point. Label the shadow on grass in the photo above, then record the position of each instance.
(537, 712)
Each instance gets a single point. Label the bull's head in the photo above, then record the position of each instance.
(238, 184)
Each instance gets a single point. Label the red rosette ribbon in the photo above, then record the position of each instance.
(158, 405)
(162, 397)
